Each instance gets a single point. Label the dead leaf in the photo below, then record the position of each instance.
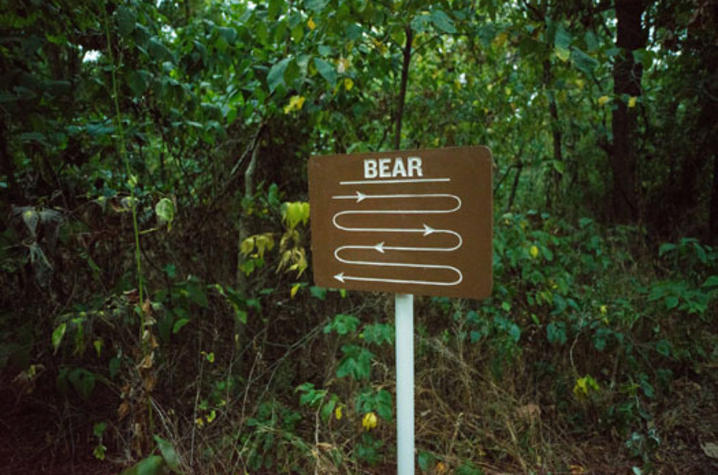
(710, 449)
(123, 410)
(147, 307)
(530, 412)
(147, 361)
(149, 382)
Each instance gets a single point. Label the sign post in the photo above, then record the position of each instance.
(404, 344)
(408, 222)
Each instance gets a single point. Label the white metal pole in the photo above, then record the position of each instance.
(404, 324)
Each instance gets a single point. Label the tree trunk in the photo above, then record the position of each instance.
(402, 87)
(713, 225)
(554, 176)
(242, 285)
(626, 81)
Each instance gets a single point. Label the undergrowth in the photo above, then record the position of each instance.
(581, 346)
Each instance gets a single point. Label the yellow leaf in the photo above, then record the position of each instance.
(247, 246)
(338, 413)
(563, 54)
(603, 100)
(311, 24)
(98, 346)
(603, 309)
(534, 252)
(294, 290)
(295, 104)
(632, 101)
(264, 242)
(369, 421)
(295, 212)
(211, 416)
(348, 84)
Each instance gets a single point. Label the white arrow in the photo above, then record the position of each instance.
(359, 197)
(341, 275)
(382, 247)
(341, 278)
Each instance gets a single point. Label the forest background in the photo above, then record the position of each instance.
(158, 311)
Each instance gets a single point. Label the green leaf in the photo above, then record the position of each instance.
(326, 70)
(665, 247)
(342, 324)
(316, 5)
(583, 62)
(378, 333)
(125, 20)
(556, 332)
(355, 363)
(158, 50)
(318, 292)
(420, 23)
(57, 335)
(179, 324)
(711, 283)
(197, 295)
(273, 9)
(275, 77)
(442, 21)
(562, 38)
(168, 453)
(83, 381)
(33, 137)
(137, 80)
(98, 429)
(114, 366)
(671, 302)
(228, 33)
(152, 465)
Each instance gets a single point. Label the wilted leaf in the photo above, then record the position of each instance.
(246, 246)
(146, 362)
(31, 219)
(123, 410)
(295, 212)
(165, 210)
(710, 449)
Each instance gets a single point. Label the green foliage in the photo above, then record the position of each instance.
(126, 133)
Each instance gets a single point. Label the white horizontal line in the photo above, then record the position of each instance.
(407, 180)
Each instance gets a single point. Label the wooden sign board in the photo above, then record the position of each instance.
(412, 222)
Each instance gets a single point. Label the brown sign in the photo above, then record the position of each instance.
(413, 221)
